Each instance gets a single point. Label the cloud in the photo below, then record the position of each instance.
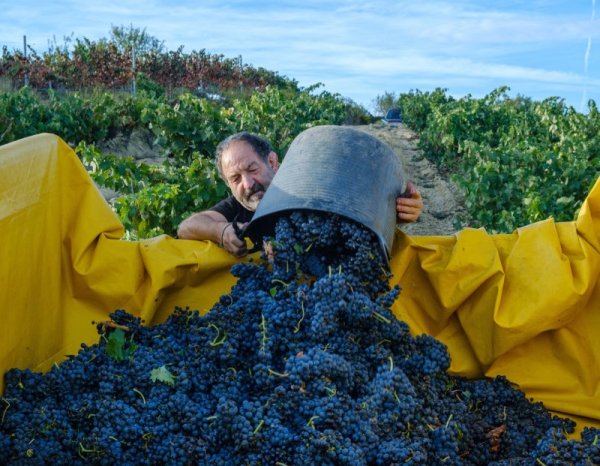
(352, 45)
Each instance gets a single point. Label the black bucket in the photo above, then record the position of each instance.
(339, 170)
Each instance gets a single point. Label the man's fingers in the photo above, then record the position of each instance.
(408, 217)
(404, 204)
(233, 244)
(240, 252)
(408, 209)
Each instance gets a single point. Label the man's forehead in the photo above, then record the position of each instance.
(239, 153)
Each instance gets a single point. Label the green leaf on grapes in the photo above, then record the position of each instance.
(117, 347)
(115, 344)
(163, 375)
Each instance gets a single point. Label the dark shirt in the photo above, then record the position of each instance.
(232, 210)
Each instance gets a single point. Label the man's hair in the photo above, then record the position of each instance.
(261, 146)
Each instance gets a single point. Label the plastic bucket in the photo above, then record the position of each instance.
(339, 170)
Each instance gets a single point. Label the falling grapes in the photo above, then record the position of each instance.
(302, 363)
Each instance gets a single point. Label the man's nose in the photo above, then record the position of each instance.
(247, 181)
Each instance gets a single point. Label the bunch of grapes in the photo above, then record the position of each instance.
(301, 363)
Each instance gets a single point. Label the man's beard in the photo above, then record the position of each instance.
(250, 202)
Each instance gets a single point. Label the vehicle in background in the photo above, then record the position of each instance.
(393, 116)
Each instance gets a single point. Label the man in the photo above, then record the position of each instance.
(247, 164)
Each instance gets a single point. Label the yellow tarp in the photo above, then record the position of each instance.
(525, 305)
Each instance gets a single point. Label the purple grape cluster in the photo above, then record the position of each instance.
(302, 363)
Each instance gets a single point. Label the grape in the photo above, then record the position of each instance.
(303, 362)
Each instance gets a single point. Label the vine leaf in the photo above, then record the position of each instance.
(163, 375)
(116, 345)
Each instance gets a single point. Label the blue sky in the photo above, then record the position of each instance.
(359, 49)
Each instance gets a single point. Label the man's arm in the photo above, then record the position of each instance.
(213, 226)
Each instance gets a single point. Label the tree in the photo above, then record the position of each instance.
(383, 103)
(130, 38)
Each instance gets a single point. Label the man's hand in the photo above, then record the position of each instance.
(230, 241)
(213, 226)
(409, 205)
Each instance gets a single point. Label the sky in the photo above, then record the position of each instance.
(358, 49)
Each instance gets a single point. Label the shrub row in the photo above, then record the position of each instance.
(517, 161)
(154, 199)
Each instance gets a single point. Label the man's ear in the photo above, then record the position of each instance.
(273, 161)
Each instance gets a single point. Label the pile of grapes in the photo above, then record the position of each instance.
(303, 363)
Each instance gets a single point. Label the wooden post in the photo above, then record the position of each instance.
(133, 87)
(241, 75)
(26, 80)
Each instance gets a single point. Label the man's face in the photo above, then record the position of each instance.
(246, 174)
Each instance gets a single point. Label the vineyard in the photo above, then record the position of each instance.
(112, 65)
(155, 198)
(516, 160)
(309, 358)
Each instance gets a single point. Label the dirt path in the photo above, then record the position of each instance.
(441, 198)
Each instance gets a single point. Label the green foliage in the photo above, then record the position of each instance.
(162, 374)
(280, 116)
(154, 199)
(145, 84)
(21, 115)
(416, 106)
(189, 125)
(189, 101)
(384, 102)
(356, 114)
(128, 39)
(517, 161)
(74, 117)
(118, 347)
(129, 109)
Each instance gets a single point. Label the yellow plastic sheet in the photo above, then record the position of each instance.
(525, 305)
